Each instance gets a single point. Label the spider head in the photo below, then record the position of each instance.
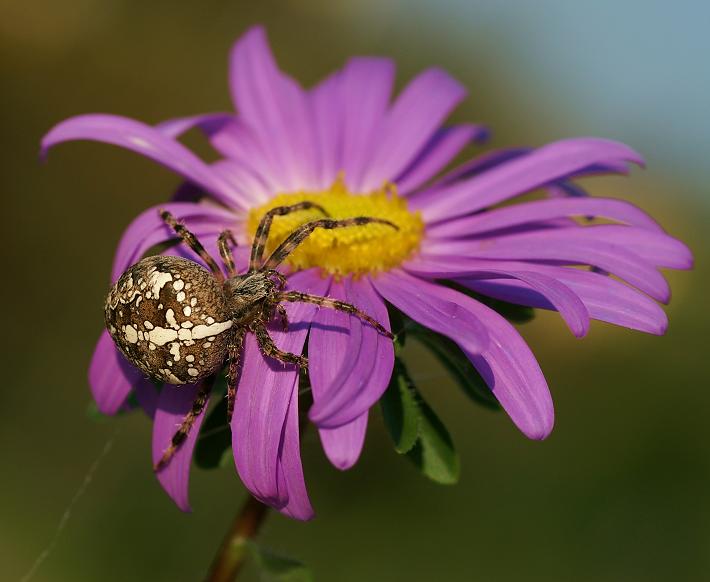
(248, 295)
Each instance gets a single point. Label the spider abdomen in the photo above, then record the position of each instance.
(169, 317)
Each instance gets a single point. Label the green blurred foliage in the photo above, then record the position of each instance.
(618, 492)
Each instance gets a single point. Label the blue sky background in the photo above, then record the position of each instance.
(630, 70)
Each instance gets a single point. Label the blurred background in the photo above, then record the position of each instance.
(618, 492)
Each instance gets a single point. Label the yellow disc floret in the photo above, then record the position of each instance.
(352, 250)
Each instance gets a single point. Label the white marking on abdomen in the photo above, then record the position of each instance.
(203, 331)
(161, 336)
(158, 281)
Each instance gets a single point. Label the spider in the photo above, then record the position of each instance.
(178, 323)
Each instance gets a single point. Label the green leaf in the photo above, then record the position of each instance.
(215, 440)
(278, 568)
(457, 364)
(434, 453)
(416, 430)
(401, 410)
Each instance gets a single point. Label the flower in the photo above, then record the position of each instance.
(344, 145)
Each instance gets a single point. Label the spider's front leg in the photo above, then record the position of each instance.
(225, 237)
(301, 233)
(191, 241)
(262, 231)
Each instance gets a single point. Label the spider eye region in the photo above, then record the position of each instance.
(170, 318)
(353, 250)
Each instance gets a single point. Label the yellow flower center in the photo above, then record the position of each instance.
(351, 250)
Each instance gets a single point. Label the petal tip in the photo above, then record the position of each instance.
(540, 432)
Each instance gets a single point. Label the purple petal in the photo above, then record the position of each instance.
(506, 363)
(605, 298)
(564, 188)
(250, 187)
(242, 145)
(335, 349)
(148, 229)
(563, 299)
(111, 377)
(413, 119)
(519, 214)
(555, 245)
(494, 158)
(147, 396)
(550, 163)
(441, 149)
(174, 403)
(350, 368)
(290, 468)
(655, 247)
(145, 140)
(264, 393)
(474, 167)
(327, 115)
(209, 123)
(365, 89)
(343, 445)
(276, 107)
(438, 308)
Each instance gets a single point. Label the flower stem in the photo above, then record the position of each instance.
(231, 554)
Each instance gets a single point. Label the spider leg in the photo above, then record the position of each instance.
(225, 251)
(268, 347)
(279, 276)
(191, 241)
(299, 235)
(183, 430)
(283, 316)
(235, 352)
(262, 231)
(297, 296)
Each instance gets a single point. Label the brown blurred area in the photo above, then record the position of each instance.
(618, 492)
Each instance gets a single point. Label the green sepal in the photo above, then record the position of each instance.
(457, 364)
(417, 431)
(277, 568)
(401, 410)
(434, 453)
(215, 440)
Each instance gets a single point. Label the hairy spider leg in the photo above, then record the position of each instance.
(279, 276)
(268, 347)
(225, 251)
(262, 231)
(191, 241)
(283, 316)
(198, 405)
(297, 296)
(235, 353)
(301, 233)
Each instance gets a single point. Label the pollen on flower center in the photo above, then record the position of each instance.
(352, 250)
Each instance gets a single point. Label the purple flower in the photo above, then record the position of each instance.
(344, 144)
